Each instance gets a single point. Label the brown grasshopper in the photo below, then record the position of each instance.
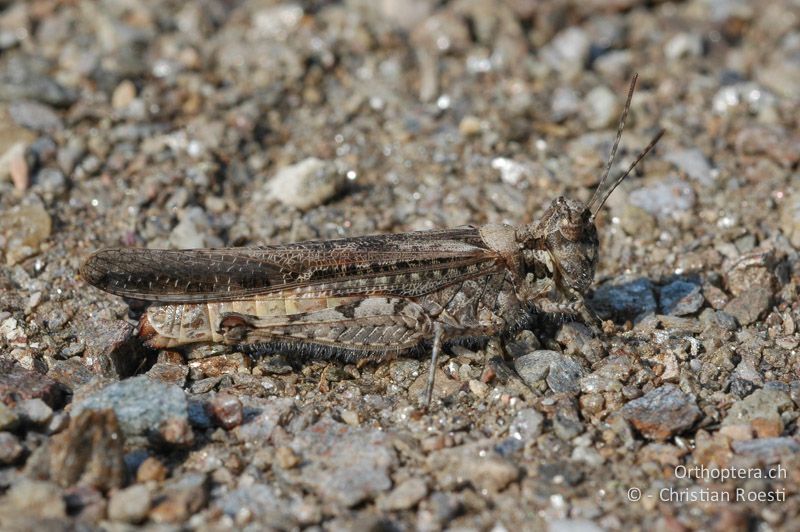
(368, 297)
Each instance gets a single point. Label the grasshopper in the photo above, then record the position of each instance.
(369, 297)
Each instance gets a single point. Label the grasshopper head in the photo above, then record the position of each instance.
(568, 233)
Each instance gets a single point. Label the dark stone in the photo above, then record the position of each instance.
(114, 346)
(72, 373)
(750, 306)
(624, 299)
(18, 384)
(662, 413)
(89, 452)
(566, 421)
(169, 373)
(181, 498)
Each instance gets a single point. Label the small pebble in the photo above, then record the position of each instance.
(169, 373)
(526, 425)
(286, 458)
(14, 141)
(332, 468)
(693, 163)
(35, 411)
(59, 422)
(790, 218)
(768, 450)
(19, 384)
(750, 271)
(35, 116)
(485, 470)
(469, 126)
(261, 503)
(19, 169)
(591, 403)
(10, 448)
(715, 296)
(8, 418)
(601, 108)
(560, 371)
(761, 410)
(226, 410)
(26, 228)
(181, 498)
(123, 95)
(176, 431)
(478, 388)
(565, 103)
(578, 340)
(664, 198)
(404, 496)
(568, 52)
(567, 423)
(130, 505)
(151, 469)
(307, 184)
(683, 45)
(192, 231)
(511, 171)
(261, 427)
(350, 417)
(37, 498)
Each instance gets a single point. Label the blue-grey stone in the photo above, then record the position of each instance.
(261, 502)
(680, 298)
(768, 450)
(664, 198)
(526, 425)
(693, 163)
(624, 299)
(561, 372)
(140, 403)
(342, 465)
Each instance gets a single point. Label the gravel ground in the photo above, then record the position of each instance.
(228, 123)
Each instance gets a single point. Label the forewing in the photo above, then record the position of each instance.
(177, 275)
(403, 264)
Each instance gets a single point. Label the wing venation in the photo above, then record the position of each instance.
(400, 264)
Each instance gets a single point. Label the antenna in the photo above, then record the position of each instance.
(619, 180)
(599, 198)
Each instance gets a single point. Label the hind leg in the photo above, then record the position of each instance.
(438, 335)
